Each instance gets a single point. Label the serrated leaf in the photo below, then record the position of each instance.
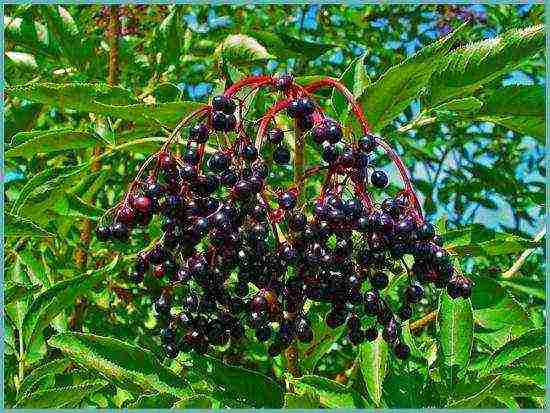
(465, 69)
(285, 46)
(386, 98)
(51, 302)
(49, 369)
(374, 366)
(104, 100)
(35, 142)
(518, 108)
(61, 397)
(239, 383)
(197, 401)
(129, 366)
(15, 226)
(24, 60)
(455, 330)
(530, 342)
(323, 339)
(473, 394)
(329, 393)
(305, 401)
(239, 49)
(356, 79)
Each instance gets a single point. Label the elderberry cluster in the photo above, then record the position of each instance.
(235, 253)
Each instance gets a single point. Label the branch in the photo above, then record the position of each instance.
(517, 265)
(424, 321)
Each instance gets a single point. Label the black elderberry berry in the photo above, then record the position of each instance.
(199, 133)
(401, 351)
(219, 121)
(379, 179)
(405, 312)
(263, 332)
(330, 153)
(219, 162)
(379, 280)
(356, 336)
(103, 233)
(249, 152)
(284, 82)
(371, 303)
(120, 231)
(192, 156)
(223, 104)
(287, 200)
(414, 293)
(371, 334)
(275, 136)
(281, 155)
(305, 123)
(426, 231)
(335, 319)
(367, 143)
(228, 178)
(334, 132)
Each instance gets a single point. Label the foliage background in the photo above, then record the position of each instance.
(471, 130)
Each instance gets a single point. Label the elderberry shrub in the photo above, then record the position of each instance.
(222, 267)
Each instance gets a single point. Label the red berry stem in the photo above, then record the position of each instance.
(256, 81)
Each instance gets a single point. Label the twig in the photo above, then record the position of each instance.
(424, 321)
(517, 265)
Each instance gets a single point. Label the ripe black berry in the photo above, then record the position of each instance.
(275, 136)
(120, 231)
(199, 133)
(401, 351)
(288, 200)
(379, 280)
(281, 155)
(367, 143)
(379, 179)
(103, 233)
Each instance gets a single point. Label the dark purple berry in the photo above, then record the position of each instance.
(379, 179)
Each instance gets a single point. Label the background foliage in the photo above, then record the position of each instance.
(466, 114)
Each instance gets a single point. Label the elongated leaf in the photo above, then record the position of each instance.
(356, 79)
(323, 339)
(473, 394)
(197, 401)
(104, 100)
(129, 366)
(526, 285)
(305, 401)
(519, 108)
(14, 292)
(495, 308)
(73, 206)
(51, 302)
(153, 401)
(528, 343)
(522, 374)
(374, 366)
(241, 49)
(385, 99)
(15, 226)
(61, 397)
(49, 369)
(23, 60)
(24, 32)
(329, 393)
(285, 46)
(467, 68)
(168, 36)
(51, 141)
(456, 327)
(240, 384)
(37, 272)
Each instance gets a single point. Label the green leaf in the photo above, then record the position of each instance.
(127, 365)
(51, 302)
(305, 401)
(197, 401)
(471, 395)
(16, 226)
(386, 98)
(329, 393)
(61, 397)
(49, 369)
(356, 79)
(529, 286)
(530, 342)
(495, 308)
(73, 206)
(323, 339)
(285, 46)
(240, 384)
(465, 69)
(522, 374)
(24, 60)
(455, 327)
(518, 108)
(14, 292)
(374, 366)
(239, 49)
(464, 106)
(104, 100)
(168, 36)
(478, 240)
(35, 142)
(36, 269)
(153, 401)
